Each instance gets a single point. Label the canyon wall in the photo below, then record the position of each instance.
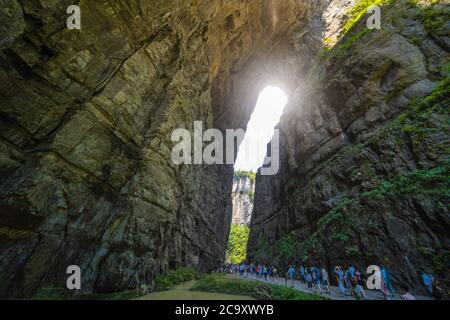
(86, 176)
(242, 199)
(364, 174)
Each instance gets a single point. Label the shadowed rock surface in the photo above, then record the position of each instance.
(87, 116)
(365, 147)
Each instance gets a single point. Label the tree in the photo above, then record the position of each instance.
(237, 244)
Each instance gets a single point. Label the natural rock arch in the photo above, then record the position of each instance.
(86, 119)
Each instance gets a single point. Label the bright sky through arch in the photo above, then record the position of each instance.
(260, 129)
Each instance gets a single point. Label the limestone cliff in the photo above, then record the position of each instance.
(86, 117)
(365, 147)
(242, 200)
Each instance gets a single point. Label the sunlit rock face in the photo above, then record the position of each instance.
(364, 157)
(85, 171)
(242, 200)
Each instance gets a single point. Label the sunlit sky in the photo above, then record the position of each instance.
(260, 129)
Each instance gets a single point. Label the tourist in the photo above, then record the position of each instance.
(325, 281)
(428, 280)
(360, 284)
(314, 278)
(308, 277)
(265, 272)
(271, 272)
(318, 280)
(302, 274)
(351, 271)
(383, 287)
(347, 282)
(340, 279)
(291, 273)
(387, 280)
(286, 276)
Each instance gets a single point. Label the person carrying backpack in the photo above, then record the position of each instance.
(291, 273)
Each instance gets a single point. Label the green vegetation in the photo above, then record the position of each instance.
(351, 215)
(348, 38)
(435, 20)
(174, 277)
(239, 174)
(261, 291)
(342, 222)
(439, 259)
(237, 244)
(410, 125)
(263, 251)
(251, 196)
(358, 11)
(14, 234)
(287, 245)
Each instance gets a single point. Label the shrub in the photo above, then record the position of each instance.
(174, 277)
(245, 174)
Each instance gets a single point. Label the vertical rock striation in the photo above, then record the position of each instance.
(242, 200)
(364, 149)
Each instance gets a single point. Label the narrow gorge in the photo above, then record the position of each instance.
(242, 195)
(87, 116)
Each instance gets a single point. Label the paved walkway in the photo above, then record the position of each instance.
(334, 291)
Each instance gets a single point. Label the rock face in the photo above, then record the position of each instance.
(364, 156)
(86, 176)
(242, 200)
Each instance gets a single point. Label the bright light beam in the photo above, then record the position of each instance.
(260, 129)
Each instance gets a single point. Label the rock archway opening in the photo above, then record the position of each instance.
(252, 154)
(260, 129)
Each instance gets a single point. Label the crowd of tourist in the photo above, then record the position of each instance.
(351, 281)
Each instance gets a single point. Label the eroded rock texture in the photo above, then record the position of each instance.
(242, 200)
(364, 174)
(87, 116)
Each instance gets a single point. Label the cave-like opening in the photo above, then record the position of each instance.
(251, 156)
(260, 129)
